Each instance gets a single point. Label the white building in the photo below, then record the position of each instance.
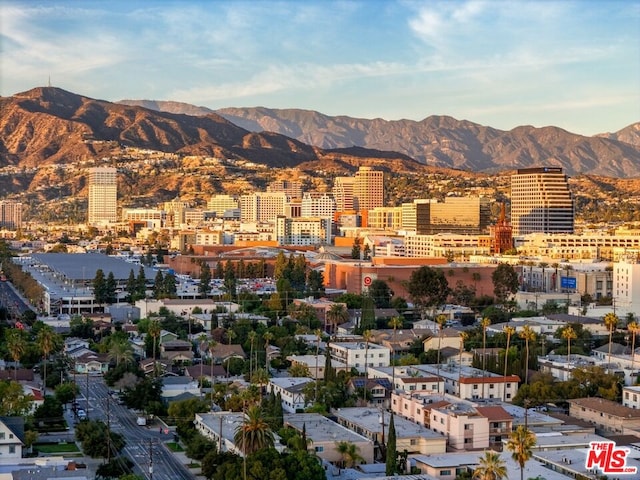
(626, 283)
(291, 392)
(631, 397)
(303, 231)
(318, 204)
(262, 206)
(103, 195)
(354, 354)
(221, 203)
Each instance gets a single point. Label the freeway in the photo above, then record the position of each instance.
(144, 446)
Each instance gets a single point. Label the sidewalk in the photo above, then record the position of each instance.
(182, 457)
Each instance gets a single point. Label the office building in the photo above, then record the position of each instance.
(368, 189)
(541, 201)
(262, 206)
(303, 231)
(293, 189)
(10, 214)
(343, 193)
(466, 215)
(318, 204)
(103, 195)
(221, 204)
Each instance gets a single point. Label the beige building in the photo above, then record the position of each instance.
(541, 201)
(446, 244)
(607, 416)
(385, 218)
(303, 231)
(10, 214)
(262, 206)
(103, 195)
(368, 189)
(221, 203)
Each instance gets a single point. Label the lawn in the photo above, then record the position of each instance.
(174, 447)
(57, 447)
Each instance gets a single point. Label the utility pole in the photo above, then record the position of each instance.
(150, 459)
(87, 391)
(108, 429)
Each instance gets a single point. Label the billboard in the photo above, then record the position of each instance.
(367, 280)
(568, 282)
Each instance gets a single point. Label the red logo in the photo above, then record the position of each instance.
(608, 458)
(367, 281)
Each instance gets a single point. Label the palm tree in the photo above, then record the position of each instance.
(569, 334)
(543, 266)
(633, 328)
(211, 345)
(253, 433)
(367, 336)
(267, 337)
(611, 322)
(336, 315)
(527, 334)
(463, 337)
(47, 340)
(16, 345)
(154, 330)
(318, 333)
(520, 444)
(253, 335)
(491, 467)
(441, 320)
(395, 323)
(121, 351)
(508, 331)
(203, 346)
(350, 454)
(484, 323)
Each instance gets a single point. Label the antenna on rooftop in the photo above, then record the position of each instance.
(49, 80)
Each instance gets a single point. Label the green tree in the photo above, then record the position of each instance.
(205, 279)
(391, 464)
(520, 444)
(131, 287)
(120, 350)
(66, 392)
(315, 284)
(17, 346)
(110, 288)
(336, 315)
(158, 285)
(92, 434)
(154, 332)
(569, 334)
(505, 282)
(48, 341)
(13, 401)
(349, 453)
(428, 288)
(254, 433)
(491, 467)
(100, 287)
(368, 318)
(611, 322)
(356, 248)
(528, 335)
(230, 283)
(141, 284)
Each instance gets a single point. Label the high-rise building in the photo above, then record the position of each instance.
(318, 204)
(262, 206)
(541, 201)
(368, 189)
(103, 195)
(466, 215)
(10, 214)
(343, 193)
(221, 203)
(292, 188)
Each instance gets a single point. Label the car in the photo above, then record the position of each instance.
(82, 414)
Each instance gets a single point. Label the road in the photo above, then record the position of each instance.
(12, 301)
(142, 444)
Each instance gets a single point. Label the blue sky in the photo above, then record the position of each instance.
(501, 63)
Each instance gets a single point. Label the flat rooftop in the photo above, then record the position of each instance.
(320, 429)
(369, 419)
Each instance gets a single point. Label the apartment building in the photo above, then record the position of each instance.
(291, 390)
(606, 415)
(303, 231)
(10, 214)
(356, 354)
(631, 397)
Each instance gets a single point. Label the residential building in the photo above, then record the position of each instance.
(11, 437)
(303, 231)
(606, 415)
(446, 244)
(10, 214)
(374, 425)
(464, 427)
(325, 434)
(356, 354)
(316, 364)
(631, 397)
(385, 218)
(292, 188)
(318, 204)
(262, 206)
(626, 282)
(291, 390)
(103, 195)
(541, 201)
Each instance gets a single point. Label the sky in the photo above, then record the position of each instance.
(501, 63)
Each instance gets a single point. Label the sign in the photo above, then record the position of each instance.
(367, 280)
(568, 282)
(609, 459)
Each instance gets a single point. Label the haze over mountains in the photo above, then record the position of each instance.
(51, 125)
(441, 140)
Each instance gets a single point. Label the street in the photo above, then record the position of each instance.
(144, 445)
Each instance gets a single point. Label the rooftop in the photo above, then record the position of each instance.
(370, 419)
(606, 406)
(321, 429)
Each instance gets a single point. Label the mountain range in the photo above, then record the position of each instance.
(49, 125)
(441, 141)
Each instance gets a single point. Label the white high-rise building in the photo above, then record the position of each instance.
(103, 195)
(317, 204)
(541, 201)
(626, 282)
(262, 206)
(222, 203)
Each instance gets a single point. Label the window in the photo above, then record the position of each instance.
(508, 385)
(491, 385)
(442, 421)
(413, 441)
(468, 426)
(475, 387)
(12, 449)
(320, 449)
(445, 473)
(1, 435)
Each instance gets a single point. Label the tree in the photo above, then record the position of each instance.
(356, 248)
(367, 336)
(47, 341)
(253, 433)
(141, 284)
(633, 328)
(391, 462)
(368, 313)
(66, 392)
(381, 294)
(520, 444)
(230, 282)
(428, 287)
(131, 287)
(100, 287)
(441, 320)
(611, 322)
(315, 284)
(158, 285)
(17, 346)
(528, 335)
(505, 282)
(205, 279)
(508, 331)
(120, 350)
(13, 401)
(267, 337)
(569, 334)
(336, 315)
(491, 467)
(349, 453)
(154, 332)
(92, 434)
(110, 288)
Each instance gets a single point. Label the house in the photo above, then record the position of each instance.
(11, 437)
(316, 364)
(174, 386)
(607, 416)
(148, 365)
(374, 425)
(398, 342)
(176, 351)
(72, 343)
(215, 373)
(291, 390)
(450, 338)
(92, 363)
(379, 390)
(325, 435)
(223, 352)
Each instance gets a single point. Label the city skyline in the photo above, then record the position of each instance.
(502, 64)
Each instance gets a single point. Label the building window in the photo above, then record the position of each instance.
(475, 387)
(413, 441)
(1, 435)
(445, 473)
(468, 426)
(491, 385)
(12, 449)
(320, 448)
(508, 385)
